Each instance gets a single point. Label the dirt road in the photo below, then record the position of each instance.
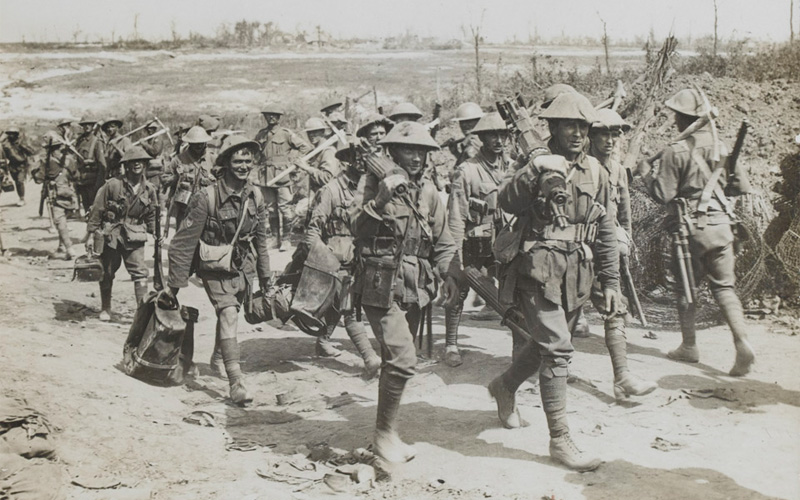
(741, 442)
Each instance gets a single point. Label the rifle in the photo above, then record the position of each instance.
(741, 184)
(437, 110)
(680, 241)
(158, 272)
(484, 287)
(44, 198)
(625, 270)
(519, 121)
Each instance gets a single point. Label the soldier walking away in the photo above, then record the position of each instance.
(229, 215)
(603, 137)
(400, 235)
(278, 147)
(474, 217)
(17, 153)
(116, 145)
(123, 213)
(467, 116)
(331, 221)
(566, 216)
(57, 170)
(694, 184)
(91, 163)
(187, 173)
(405, 112)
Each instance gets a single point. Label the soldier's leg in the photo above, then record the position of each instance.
(625, 383)
(324, 347)
(135, 264)
(180, 214)
(111, 260)
(720, 265)
(286, 216)
(226, 295)
(452, 319)
(687, 314)
(581, 328)
(271, 199)
(358, 334)
(19, 177)
(60, 219)
(393, 331)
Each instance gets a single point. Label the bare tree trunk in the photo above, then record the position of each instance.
(715, 28)
(476, 35)
(791, 21)
(136, 26)
(605, 47)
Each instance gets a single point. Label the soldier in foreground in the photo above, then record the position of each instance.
(399, 238)
(474, 216)
(59, 173)
(331, 222)
(228, 216)
(123, 214)
(693, 184)
(603, 137)
(187, 173)
(92, 166)
(565, 216)
(278, 146)
(17, 153)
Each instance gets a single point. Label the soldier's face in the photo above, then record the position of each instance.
(375, 134)
(604, 141)
(135, 168)
(150, 130)
(410, 158)
(271, 118)
(404, 118)
(570, 135)
(494, 141)
(87, 127)
(467, 125)
(240, 164)
(197, 148)
(111, 129)
(12, 136)
(316, 136)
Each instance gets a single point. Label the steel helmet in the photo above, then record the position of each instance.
(13, 129)
(65, 121)
(87, 120)
(688, 102)
(337, 117)
(489, 123)
(151, 124)
(343, 149)
(315, 123)
(608, 119)
(555, 90)
(208, 122)
(410, 133)
(51, 138)
(135, 153)
(112, 120)
(405, 108)
(232, 144)
(468, 111)
(271, 109)
(196, 135)
(374, 119)
(332, 106)
(570, 106)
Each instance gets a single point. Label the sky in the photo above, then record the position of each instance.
(500, 20)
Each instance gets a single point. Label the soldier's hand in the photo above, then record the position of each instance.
(90, 245)
(556, 163)
(167, 298)
(302, 165)
(387, 188)
(642, 168)
(450, 290)
(613, 301)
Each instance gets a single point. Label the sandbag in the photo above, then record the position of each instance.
(160, 341)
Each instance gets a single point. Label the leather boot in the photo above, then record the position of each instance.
(687, 351)
(324, 347)
(358, 334)
(216, 363)
(140, 291)
(452, 319)
(105, 301)
(230, 356)
(554, 403)
(388, 444)
(625, 383)
(503, 388)
(581, 329)
(732, 311)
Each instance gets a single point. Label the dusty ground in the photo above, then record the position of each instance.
(57, 355)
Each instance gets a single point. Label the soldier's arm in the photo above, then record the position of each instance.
(320, 213)
(150, 213)
(299, 143)
(624, 208)
(183, 246)
(445, 252)
(458, 207)
(262, 243)
(170, 175)
(99, 204)
(328, 168)
(663, 186)
(367, 221)
(516, 191)
(100, 158)
(606, 247)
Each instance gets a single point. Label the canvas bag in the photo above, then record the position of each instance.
(218, 258)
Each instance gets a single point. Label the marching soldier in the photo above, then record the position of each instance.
(17, 153)
(474, 216)
(566, 218)
(122, 215)
(187, 173)
(115, 147)
(339, 121)
(374, 130)
(400, 237)
(324, 166)
(211, 125)
(689, 177)
(229, 212)
(64, 130)
(333, 106)
(155, 147)
(92, 168)
(405, 112)
(603, 137)
(58, 172)
(278, 145)
(555, 90)
(467, 116)
(330, 221)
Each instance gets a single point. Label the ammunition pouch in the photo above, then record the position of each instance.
(578, 233)
(382, 246)
(317, 289)
(87, 268)
(378, 282)
(509, 240)
(134, 232)
(477, 249)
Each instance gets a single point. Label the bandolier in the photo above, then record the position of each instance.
(187, 173)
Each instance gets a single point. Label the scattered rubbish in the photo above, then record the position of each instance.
(244, 444)
(360, 473)
(93, 479)
(283, 398)
(337, 482)
(650, 335)
(723, 393)
(345, 399)
(201, 418)
(664, 445)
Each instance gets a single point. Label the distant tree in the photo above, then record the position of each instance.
(791, 21)
(716, 19)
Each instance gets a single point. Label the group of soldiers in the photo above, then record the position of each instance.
(549, 220)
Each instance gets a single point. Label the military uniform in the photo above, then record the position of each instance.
(685, 173)
(465, 149)
(114, 151)
(17, 154)
(92, 169)
(324, 168)
(155, 147)
(59, 176)
(184, 176)
(278, 146)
